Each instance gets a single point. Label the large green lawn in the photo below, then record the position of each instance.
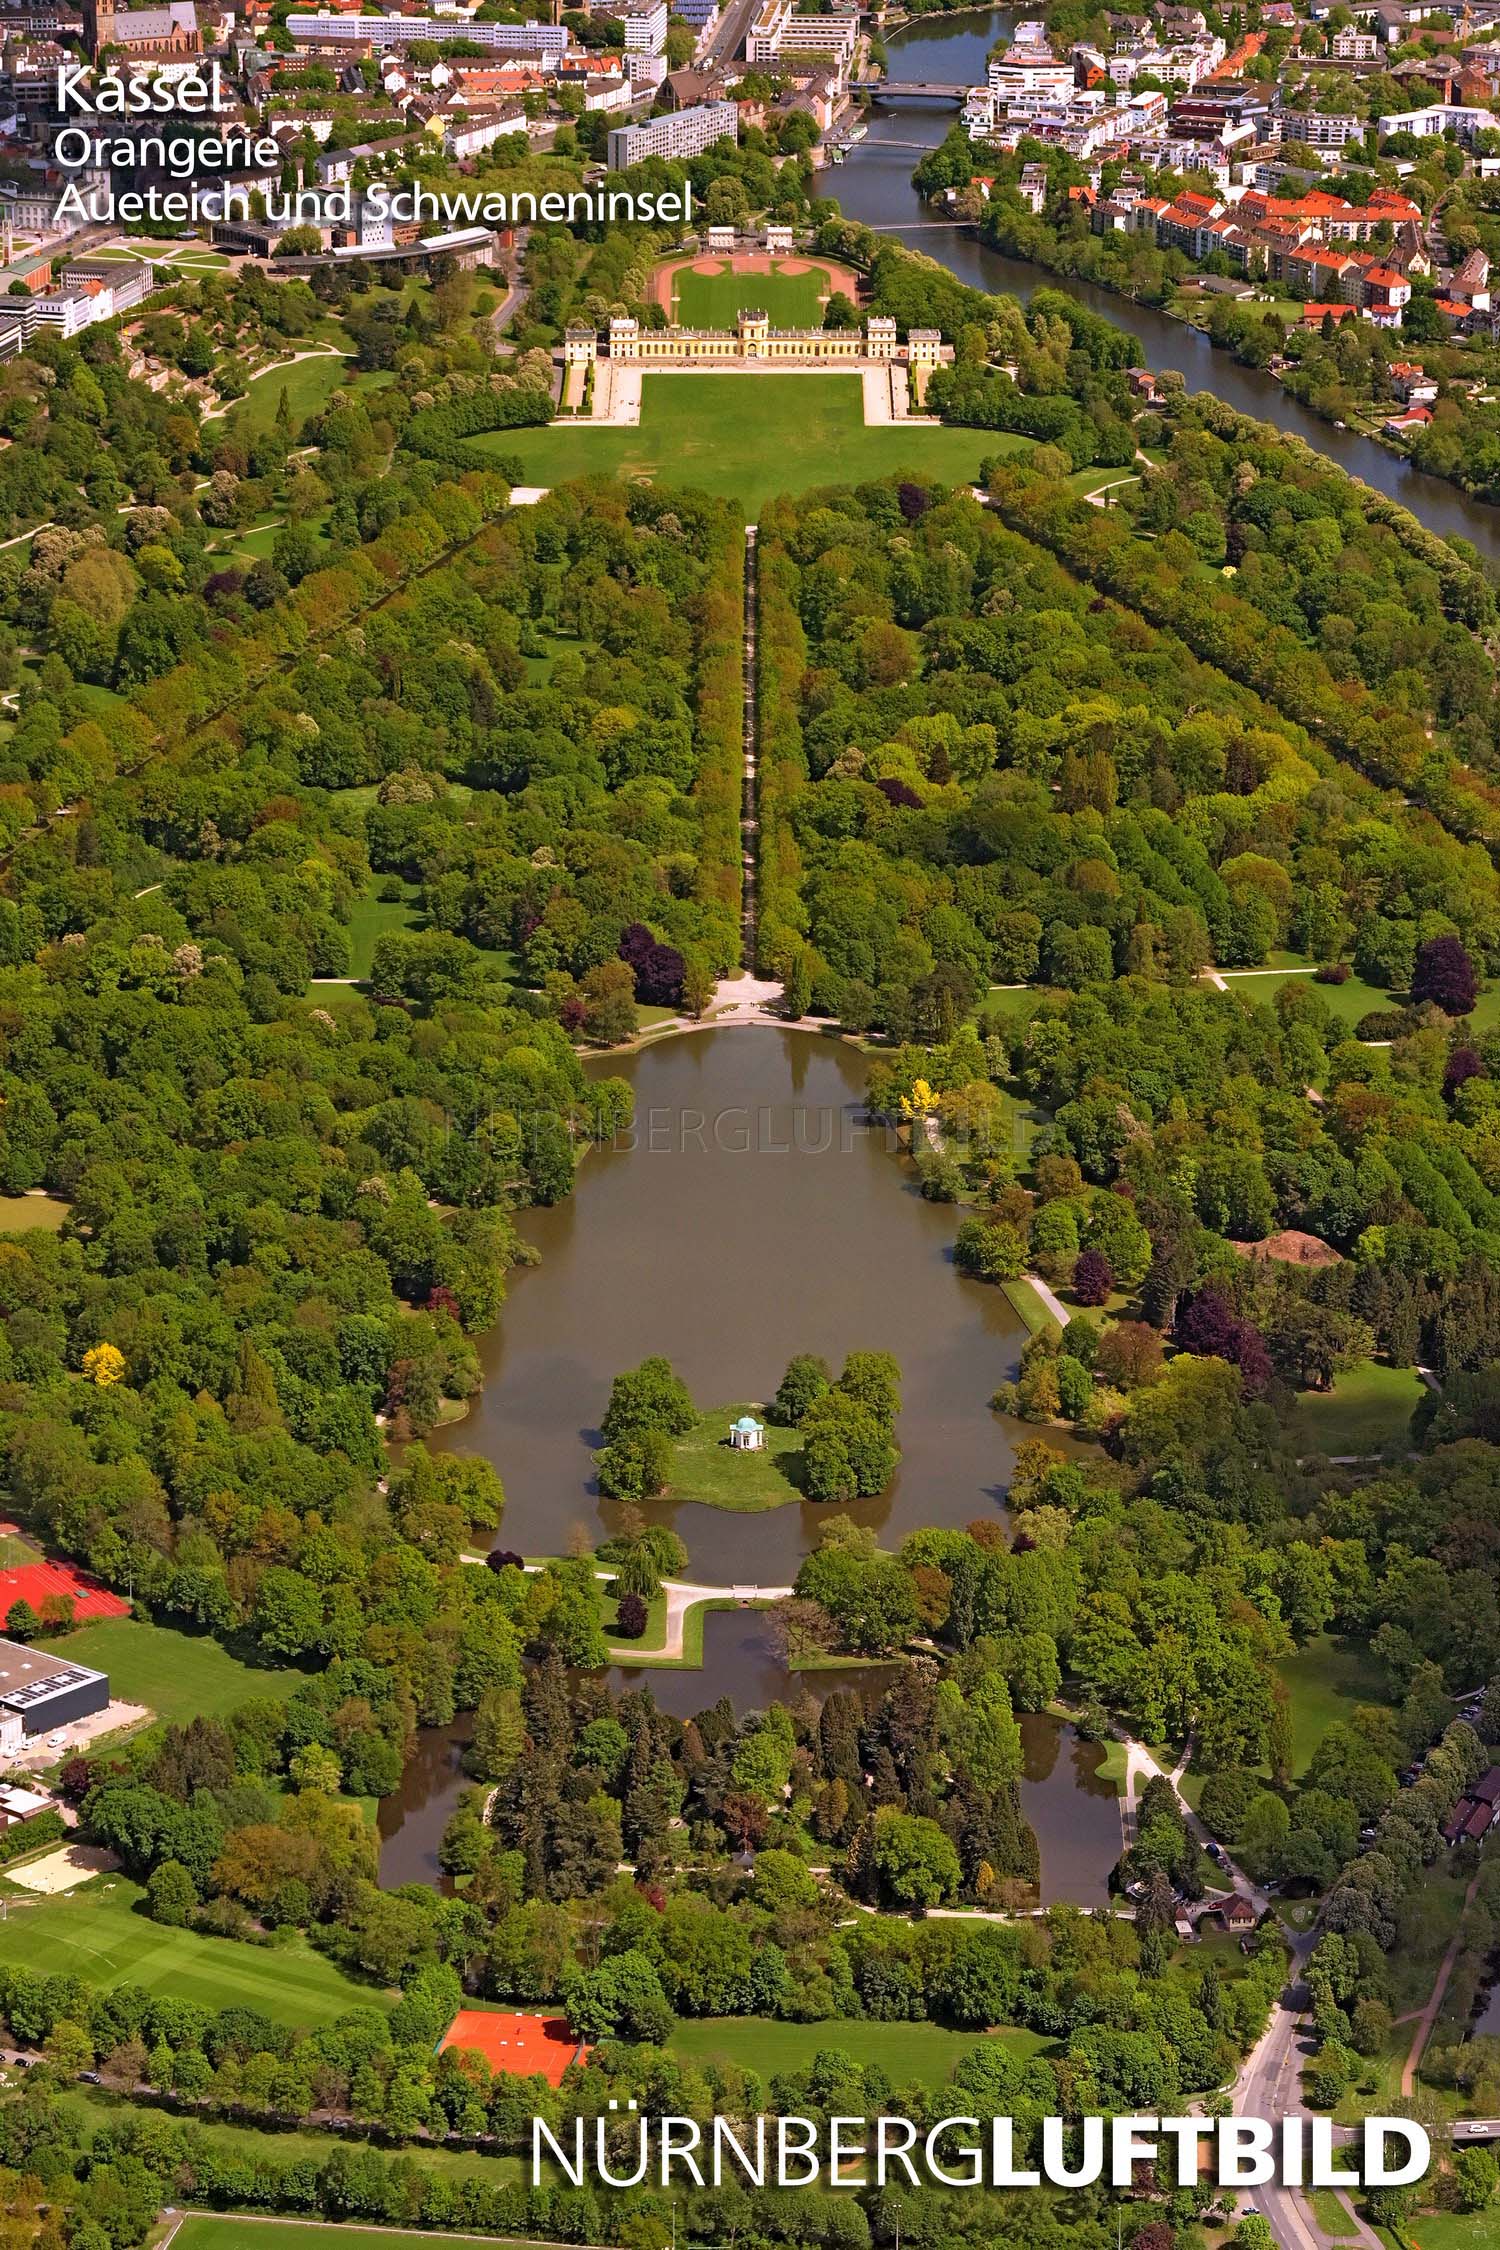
(1327, 1680)
(748, 437)
(706, 1467)
(924, 2052)
(716, 300)
(1369, 1409)
(1348, 1001)
(308, 386)
(97, 1934)
(1456, 2230)
(222, 2230)
(179, 1676)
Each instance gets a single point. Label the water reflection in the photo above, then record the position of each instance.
(753, 1214)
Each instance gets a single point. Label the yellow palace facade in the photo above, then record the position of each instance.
(754, 342)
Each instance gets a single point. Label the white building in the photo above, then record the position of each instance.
(1319, 132)
(777, 30)
(400, 31)
(1431, 124)
(645, 24)
(478, 129)
(1025, 79)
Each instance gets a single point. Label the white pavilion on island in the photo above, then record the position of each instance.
(747, 1435)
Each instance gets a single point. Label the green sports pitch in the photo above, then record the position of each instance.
(715, 300)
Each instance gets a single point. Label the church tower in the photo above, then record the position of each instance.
(98, 26)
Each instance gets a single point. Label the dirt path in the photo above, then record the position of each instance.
(683, 1596)
(1429, 2014)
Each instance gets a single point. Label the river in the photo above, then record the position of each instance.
(874, 186)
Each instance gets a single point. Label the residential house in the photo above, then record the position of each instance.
(1414, 387)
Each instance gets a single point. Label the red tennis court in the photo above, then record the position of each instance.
(521, 2045)
(36, 1582)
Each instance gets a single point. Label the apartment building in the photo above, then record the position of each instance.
(680, 134)
(381, 32)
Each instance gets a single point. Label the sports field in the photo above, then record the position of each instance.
(747, 437)
(712, 292)
(98, 1936)
(525, 2046)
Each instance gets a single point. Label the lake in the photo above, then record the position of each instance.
(755, 1214)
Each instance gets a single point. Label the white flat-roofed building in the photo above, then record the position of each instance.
(39, 1692)
(1029, 78)
(645, 24)
(399, 31)
(682, 133)
(1431, 124)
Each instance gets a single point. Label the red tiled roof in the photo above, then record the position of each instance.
(37, 1582)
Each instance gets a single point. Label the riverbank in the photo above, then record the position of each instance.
(1197, 317)
(873, 188)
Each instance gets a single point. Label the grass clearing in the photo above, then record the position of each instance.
(309, 385)
(97, 1935)
(223, 2230)
(747, 437)
(1332, 2217)
(31, 1214)
(374, 918)
(1368, 1410)
(706, 1467)
(1348, 1001)
(1024, 1300)
(1455, 2230)
(1327, 1680)
(715, 300)
(924, 2053)
(179, 1676)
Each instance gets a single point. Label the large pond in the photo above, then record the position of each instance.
(874, 186)
(1076, 1816)
(754, 1214)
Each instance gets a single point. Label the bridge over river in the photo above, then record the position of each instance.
(911, 89)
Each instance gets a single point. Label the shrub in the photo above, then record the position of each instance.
(630, 1617)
